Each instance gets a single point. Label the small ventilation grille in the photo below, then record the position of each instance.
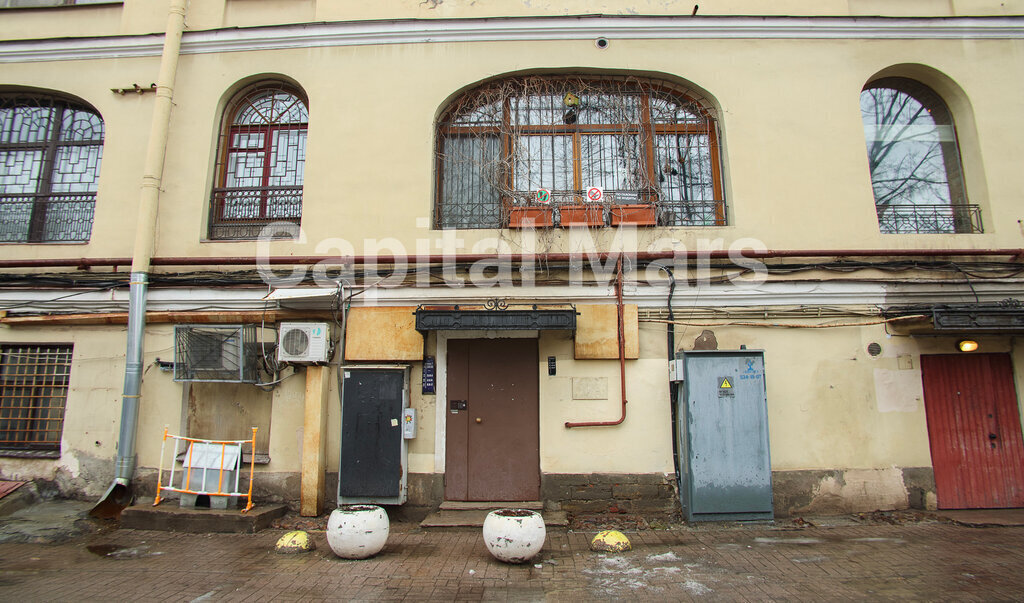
(215, 353)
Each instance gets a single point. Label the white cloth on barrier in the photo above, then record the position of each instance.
(202, 455)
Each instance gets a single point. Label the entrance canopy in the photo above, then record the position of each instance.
(495, 315)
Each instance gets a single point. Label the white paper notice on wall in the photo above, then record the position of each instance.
(898, 391)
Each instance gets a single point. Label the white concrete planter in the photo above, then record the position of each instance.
(357, 531)
(514, 535)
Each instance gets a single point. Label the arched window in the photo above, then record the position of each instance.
(537, 146)
(50, 152)
(914, 160)
(261, 156)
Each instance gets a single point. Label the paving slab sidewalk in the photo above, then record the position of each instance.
(852, 558)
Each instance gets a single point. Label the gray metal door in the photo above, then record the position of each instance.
(723, 435)
(372, 466)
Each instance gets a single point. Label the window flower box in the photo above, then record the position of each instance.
(530, 217)
(640, 215)
(581, 215)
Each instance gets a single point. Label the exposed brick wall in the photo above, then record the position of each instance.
(646, 493)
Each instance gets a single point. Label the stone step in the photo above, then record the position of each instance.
(474, 518)
(458, 505)
(169, 517)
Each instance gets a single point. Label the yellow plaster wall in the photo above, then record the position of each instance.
(641, 444)
(148, 16)
(824, 410)
(830, 404)
(371, 145)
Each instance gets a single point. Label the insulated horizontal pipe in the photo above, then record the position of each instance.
(167, 317)
(413, 259)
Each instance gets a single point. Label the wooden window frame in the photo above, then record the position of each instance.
(647, 131)
(226, 151)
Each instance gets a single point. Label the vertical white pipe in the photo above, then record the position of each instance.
(145, 236)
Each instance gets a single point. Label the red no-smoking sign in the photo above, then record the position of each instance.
(595, 193)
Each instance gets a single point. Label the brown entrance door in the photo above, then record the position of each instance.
(492, 450)
(974, 430)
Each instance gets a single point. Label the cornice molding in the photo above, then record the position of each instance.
(516, 29)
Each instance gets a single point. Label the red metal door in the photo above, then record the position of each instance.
(974, 430)
(492, 450)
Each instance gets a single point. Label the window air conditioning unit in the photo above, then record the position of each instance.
(215, 353)
(303, 342)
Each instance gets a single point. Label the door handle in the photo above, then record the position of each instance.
(479, 420)
(992, 436)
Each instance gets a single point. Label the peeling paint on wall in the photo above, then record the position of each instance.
(858, 490)
(590, 388)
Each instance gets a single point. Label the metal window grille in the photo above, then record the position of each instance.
(33, 395)
(215, 353)
(50, 154)
(644, 142)
(261, 165)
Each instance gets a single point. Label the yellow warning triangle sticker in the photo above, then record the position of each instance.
(725, 384)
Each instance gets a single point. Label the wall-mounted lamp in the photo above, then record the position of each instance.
(967, 345)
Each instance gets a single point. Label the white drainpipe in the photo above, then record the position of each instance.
(118, 495)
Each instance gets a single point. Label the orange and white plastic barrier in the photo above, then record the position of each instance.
(229, 460)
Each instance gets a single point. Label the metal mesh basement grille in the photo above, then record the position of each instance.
(33, 394)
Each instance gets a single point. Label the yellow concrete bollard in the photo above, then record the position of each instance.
(295, 542)
(610, 541)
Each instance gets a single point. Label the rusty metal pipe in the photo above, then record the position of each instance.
(622, 355)
(410, 259)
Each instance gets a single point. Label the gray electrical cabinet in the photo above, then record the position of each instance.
(722, 430)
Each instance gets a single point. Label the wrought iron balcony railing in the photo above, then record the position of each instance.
(929, 219)
(46, 218)
(692, 213)
(243, 213)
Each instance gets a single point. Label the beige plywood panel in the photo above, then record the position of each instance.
(383, 334)
(597, 331)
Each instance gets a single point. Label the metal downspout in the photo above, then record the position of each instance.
(622, 355)
(118, 495)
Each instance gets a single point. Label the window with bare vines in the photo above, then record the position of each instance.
(261, 159)
(541, 143)
(914, 160)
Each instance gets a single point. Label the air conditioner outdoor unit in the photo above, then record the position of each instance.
(303, 342)
(215, 353)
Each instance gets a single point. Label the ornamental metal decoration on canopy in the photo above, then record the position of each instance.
(531, 148)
